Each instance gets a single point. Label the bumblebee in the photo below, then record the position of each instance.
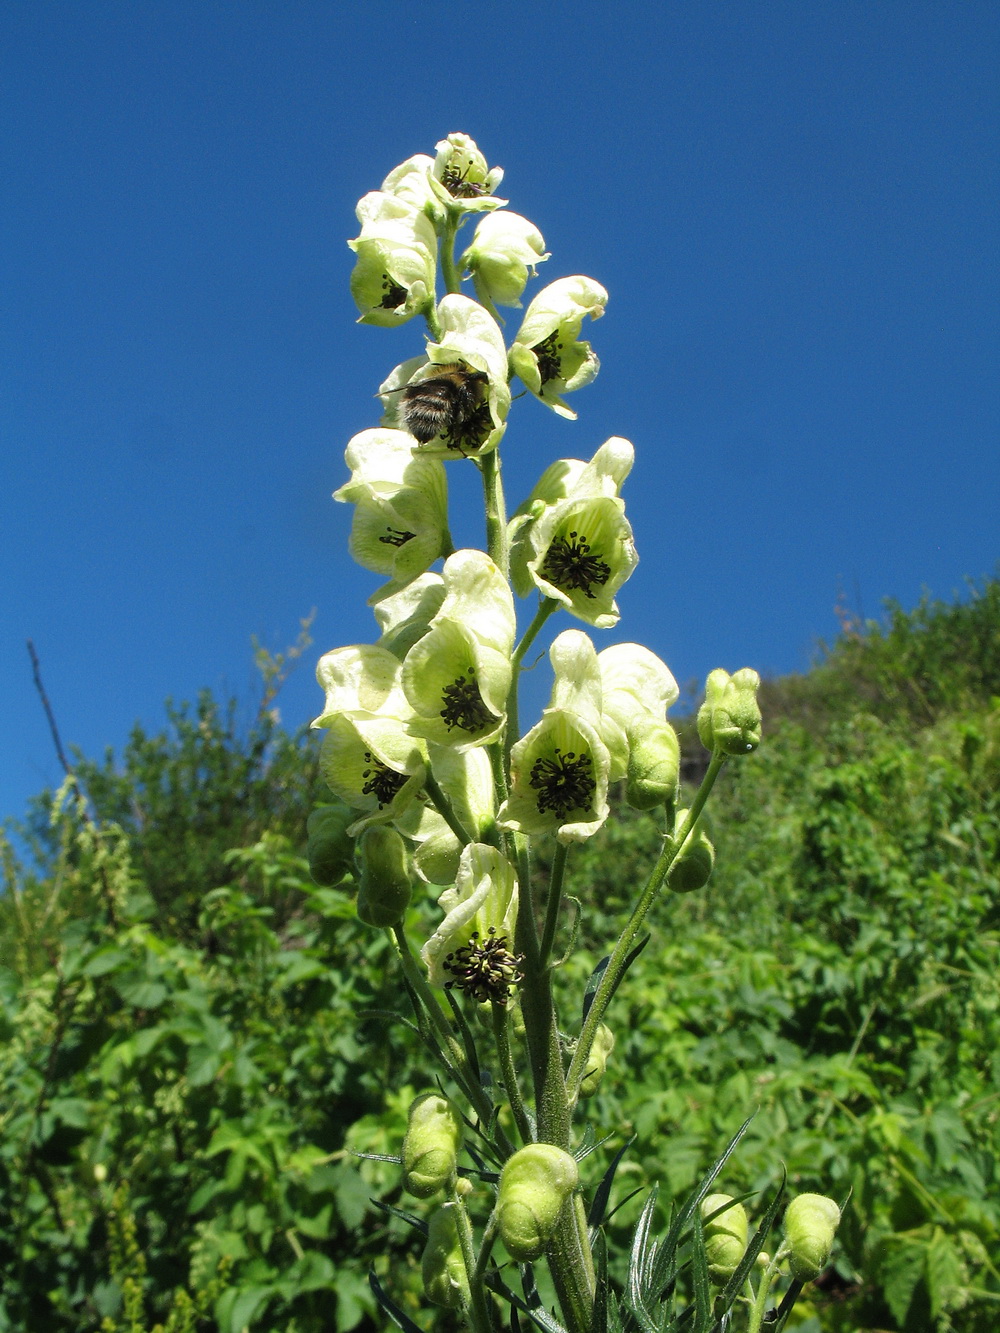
(450, 403)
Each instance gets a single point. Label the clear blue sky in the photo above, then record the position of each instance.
(793, 206)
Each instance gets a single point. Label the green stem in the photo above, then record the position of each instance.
(501, 1032)
(485, 1250)
(569, 1252)
(759, 1306)
(433, 323)
(572, 1266)
(449, 269)
(496, 512)
(546, 606)
(444, 808)
(479, 1313)
(616, 966)
(555, 899)
(462, 1073)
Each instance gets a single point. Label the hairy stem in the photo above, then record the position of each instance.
(555, 900)
(496, 512)
(444, 808)
(616, 966)
(501, 1032)
(546, 606)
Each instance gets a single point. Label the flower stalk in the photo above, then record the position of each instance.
(446, 800)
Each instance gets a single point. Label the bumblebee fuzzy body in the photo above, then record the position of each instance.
(443, 404)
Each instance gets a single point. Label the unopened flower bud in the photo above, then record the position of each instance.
(384, 887)
(693, 868)
(604, 1043)
(534, 1185)
(810, 1223)
(430, 1148)
(442, 1266)
(654, 763)
(725, 1235)
(729, 719)
(504, 250)
(330, 850)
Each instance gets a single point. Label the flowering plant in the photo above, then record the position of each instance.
(442, 793)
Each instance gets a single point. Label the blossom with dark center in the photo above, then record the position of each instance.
(456, 677)
(579, 551)
(469, 947)
(470, 338)
(393, 279)
(559, 776)
(572, 566)
(400, 523)
(368, 757)
(564, 782)
(463, 704)
(548, 354)
(487, 971)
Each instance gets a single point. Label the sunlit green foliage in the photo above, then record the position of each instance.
(195, 1038)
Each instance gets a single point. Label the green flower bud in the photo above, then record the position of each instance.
(654, 764)
(725, 1235)
(330, 849)
(504, 250)
(442, 1266)
(729, 719)
(693, 868)
(384, 887)
(430, 1147)
(534, 1185)
(810, 1223)
(604, 1043)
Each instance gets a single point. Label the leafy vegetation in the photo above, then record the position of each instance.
(196, 1038)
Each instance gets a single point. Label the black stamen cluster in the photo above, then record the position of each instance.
(486, 971)
(549, 353)
(463, 704)
(394, 295)
(459, 187)
(383, 782)
(571, 566)
(469, 434)
(396, 537)
(564, 783)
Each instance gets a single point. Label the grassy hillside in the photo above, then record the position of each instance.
(195, 1035)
